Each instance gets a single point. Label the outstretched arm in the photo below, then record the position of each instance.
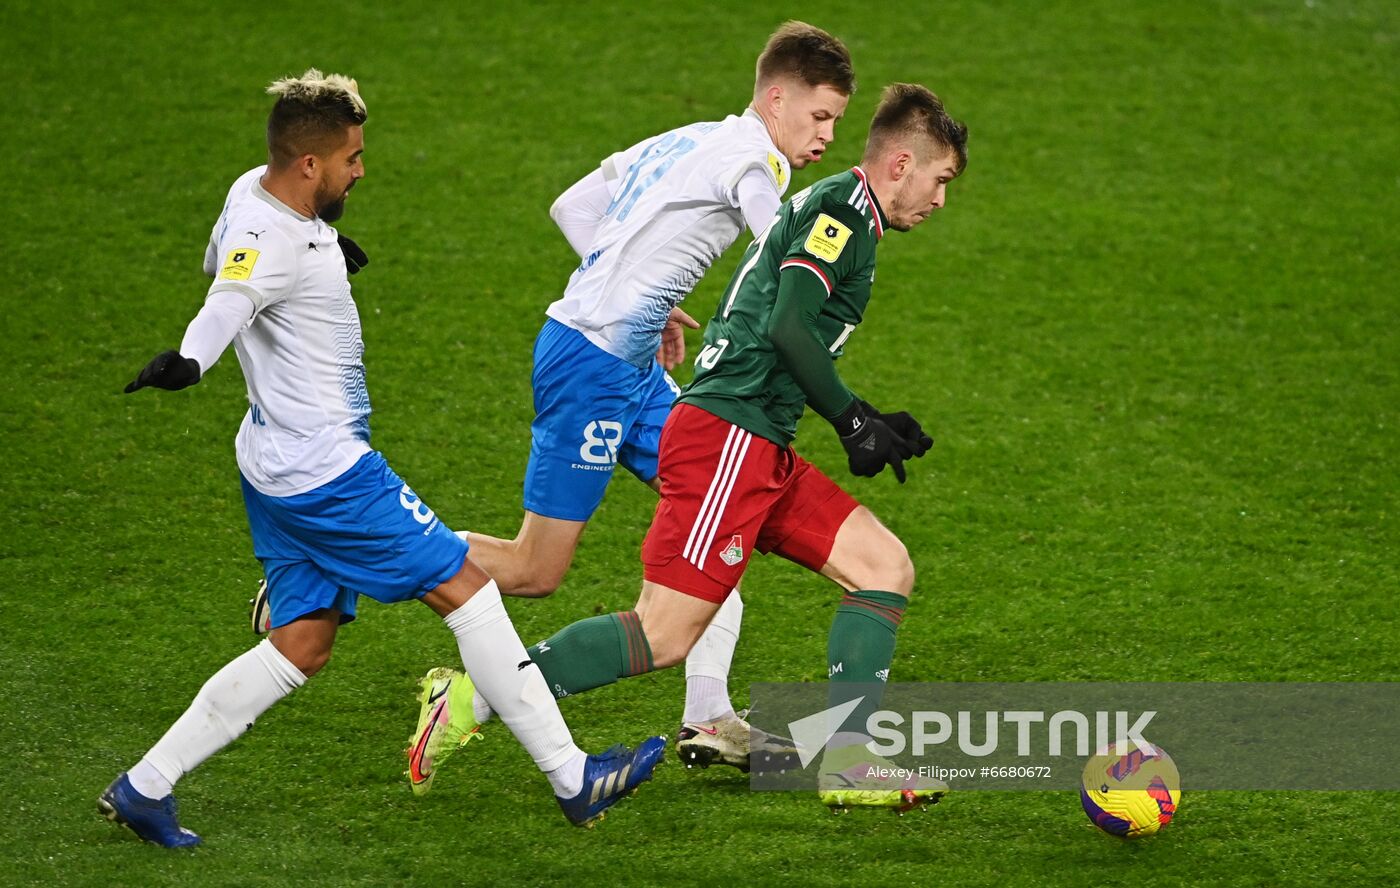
(208, 335)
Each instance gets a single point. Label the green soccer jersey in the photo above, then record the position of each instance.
(799, 293)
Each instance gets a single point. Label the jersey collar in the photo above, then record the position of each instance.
(267, 197)
(881, 220)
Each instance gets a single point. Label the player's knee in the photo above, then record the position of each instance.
(536, 583)
(309, 660)
(903, 568)
(308, 651)
(892, 570)
(668, 651)
(530, 587)
(669, 644)
(531, 573)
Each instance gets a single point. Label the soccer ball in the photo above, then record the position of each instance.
(1133, 794)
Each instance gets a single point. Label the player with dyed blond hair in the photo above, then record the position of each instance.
(330, 519)
(646, 225)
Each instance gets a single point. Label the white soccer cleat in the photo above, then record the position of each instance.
(733, 741)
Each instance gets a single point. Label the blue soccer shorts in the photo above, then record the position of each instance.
(593, 411)
(365, 533)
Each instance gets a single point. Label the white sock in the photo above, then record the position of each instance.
(224, 708)
(567, 779)
(514, 688)
(480, 708)
(706, 700)
(707, 666)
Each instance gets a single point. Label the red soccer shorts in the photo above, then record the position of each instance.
(726, 492)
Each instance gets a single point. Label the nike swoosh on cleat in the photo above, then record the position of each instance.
(434, 695)
(712, 731)
(415, 758)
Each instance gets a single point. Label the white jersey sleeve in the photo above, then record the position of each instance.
(675, 208)
(579, 210)
(224, 314)
(758, 201)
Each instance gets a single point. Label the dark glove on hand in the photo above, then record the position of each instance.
(905, 426)
(167, 370)
(870, 443)
(355, 258)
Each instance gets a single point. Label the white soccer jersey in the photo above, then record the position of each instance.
(675, 209)
(301, 354)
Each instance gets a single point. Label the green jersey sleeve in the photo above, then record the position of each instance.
(822, 257)
(792, 328)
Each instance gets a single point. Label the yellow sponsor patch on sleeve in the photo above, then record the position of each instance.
(239, 264)
(827, 239)
(775, 163)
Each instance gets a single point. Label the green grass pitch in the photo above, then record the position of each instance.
(1154, 333)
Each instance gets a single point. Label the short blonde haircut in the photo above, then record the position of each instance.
(311, 114)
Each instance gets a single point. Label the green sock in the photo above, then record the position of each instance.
(859, 650)
(592, 653)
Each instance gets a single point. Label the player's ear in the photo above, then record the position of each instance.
(308, 165)
(901, 163)
(774, 96)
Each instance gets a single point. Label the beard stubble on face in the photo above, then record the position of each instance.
(898, 220)
(330, 212)
(331, 206)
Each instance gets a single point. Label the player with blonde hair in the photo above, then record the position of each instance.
(330, 519)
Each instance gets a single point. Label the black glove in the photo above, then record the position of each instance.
(355, 258)
(870, 443)
(905, 426)
(167, 370)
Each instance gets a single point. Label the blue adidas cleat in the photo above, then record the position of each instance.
(610, 776)
(153, 820)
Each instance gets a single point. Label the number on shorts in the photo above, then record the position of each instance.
(410, 501)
